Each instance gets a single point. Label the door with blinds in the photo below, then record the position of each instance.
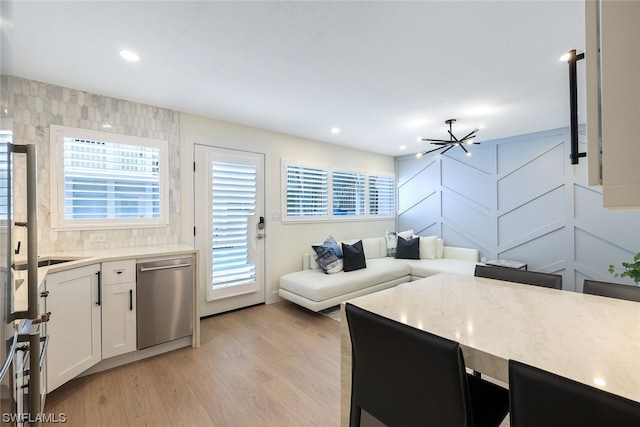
(230, 227)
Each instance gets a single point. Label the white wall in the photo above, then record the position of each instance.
(286, 242)
(519, 198)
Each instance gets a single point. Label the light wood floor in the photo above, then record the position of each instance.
(269, 365)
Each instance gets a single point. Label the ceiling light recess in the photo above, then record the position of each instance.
(129, 55)
(452, 142)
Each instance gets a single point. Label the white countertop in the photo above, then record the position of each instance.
(590, 339)
(82, 258)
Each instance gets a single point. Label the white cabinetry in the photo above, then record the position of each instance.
(74, 327)
(613, 99)
(118, 307)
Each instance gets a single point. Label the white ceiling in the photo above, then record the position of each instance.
(383, 72)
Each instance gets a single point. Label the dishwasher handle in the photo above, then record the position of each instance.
(164, 267)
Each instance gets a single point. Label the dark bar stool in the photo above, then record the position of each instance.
(540, 398)
(407, 377)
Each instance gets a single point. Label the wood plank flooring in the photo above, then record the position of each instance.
(269, 365)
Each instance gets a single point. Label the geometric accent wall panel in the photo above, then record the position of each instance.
(535, 214)
(514, 154)
(476, 222)
(421, 216)
(540, 174)
(417, 189)
(617, 226)
(595, 254)
(455, 237)
(467, 181)
(409, 166)
(543, 252)
(519, 198)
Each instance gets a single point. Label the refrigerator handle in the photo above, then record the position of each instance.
(32, 228)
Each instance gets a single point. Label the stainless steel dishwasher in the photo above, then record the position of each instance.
(164, 300)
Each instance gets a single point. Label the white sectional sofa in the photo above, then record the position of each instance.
(315, 290)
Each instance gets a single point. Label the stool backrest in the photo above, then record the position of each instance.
(613, 290)
(535, 278)
(540, 398)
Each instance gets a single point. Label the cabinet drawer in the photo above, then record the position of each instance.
(116, 272)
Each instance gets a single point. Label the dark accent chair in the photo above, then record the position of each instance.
(407, 377)
(540, 398)
(546, 280)
(612, 290)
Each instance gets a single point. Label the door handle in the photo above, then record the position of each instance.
(164, 267)
(130, 299)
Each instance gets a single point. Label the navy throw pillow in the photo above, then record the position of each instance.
(408, 249)
(353, 256)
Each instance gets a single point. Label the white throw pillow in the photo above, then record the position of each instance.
(428, 247)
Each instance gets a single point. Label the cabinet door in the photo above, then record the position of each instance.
(118, 319)
(74, 327)
(620, 63)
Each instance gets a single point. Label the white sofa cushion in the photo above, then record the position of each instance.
(317, 286)
(429, 267)
(374, 247)
(439, 248)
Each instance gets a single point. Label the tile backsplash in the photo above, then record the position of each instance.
(34, 106)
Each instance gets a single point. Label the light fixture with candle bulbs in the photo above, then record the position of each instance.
(452, 142)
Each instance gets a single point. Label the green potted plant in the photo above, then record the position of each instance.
(629, 269)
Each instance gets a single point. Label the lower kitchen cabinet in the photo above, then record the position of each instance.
(118, 319)
(75, 324)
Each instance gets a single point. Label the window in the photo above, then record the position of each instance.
(381, 195)
(348, 193)
(6, 210)
(316, 192)
(233, 198)
(307, 192)
(107, 180)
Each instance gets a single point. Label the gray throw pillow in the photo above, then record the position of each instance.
(328, 256)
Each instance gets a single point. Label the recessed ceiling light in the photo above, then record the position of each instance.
(403, 147)
(129, 56)
(335, 130)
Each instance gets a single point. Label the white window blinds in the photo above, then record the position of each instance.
(233, 198)
(314, 192)
(307, 191)
(105, 180)
(348, 193)
(381, 195)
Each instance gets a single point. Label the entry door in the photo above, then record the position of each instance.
(229, 210)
